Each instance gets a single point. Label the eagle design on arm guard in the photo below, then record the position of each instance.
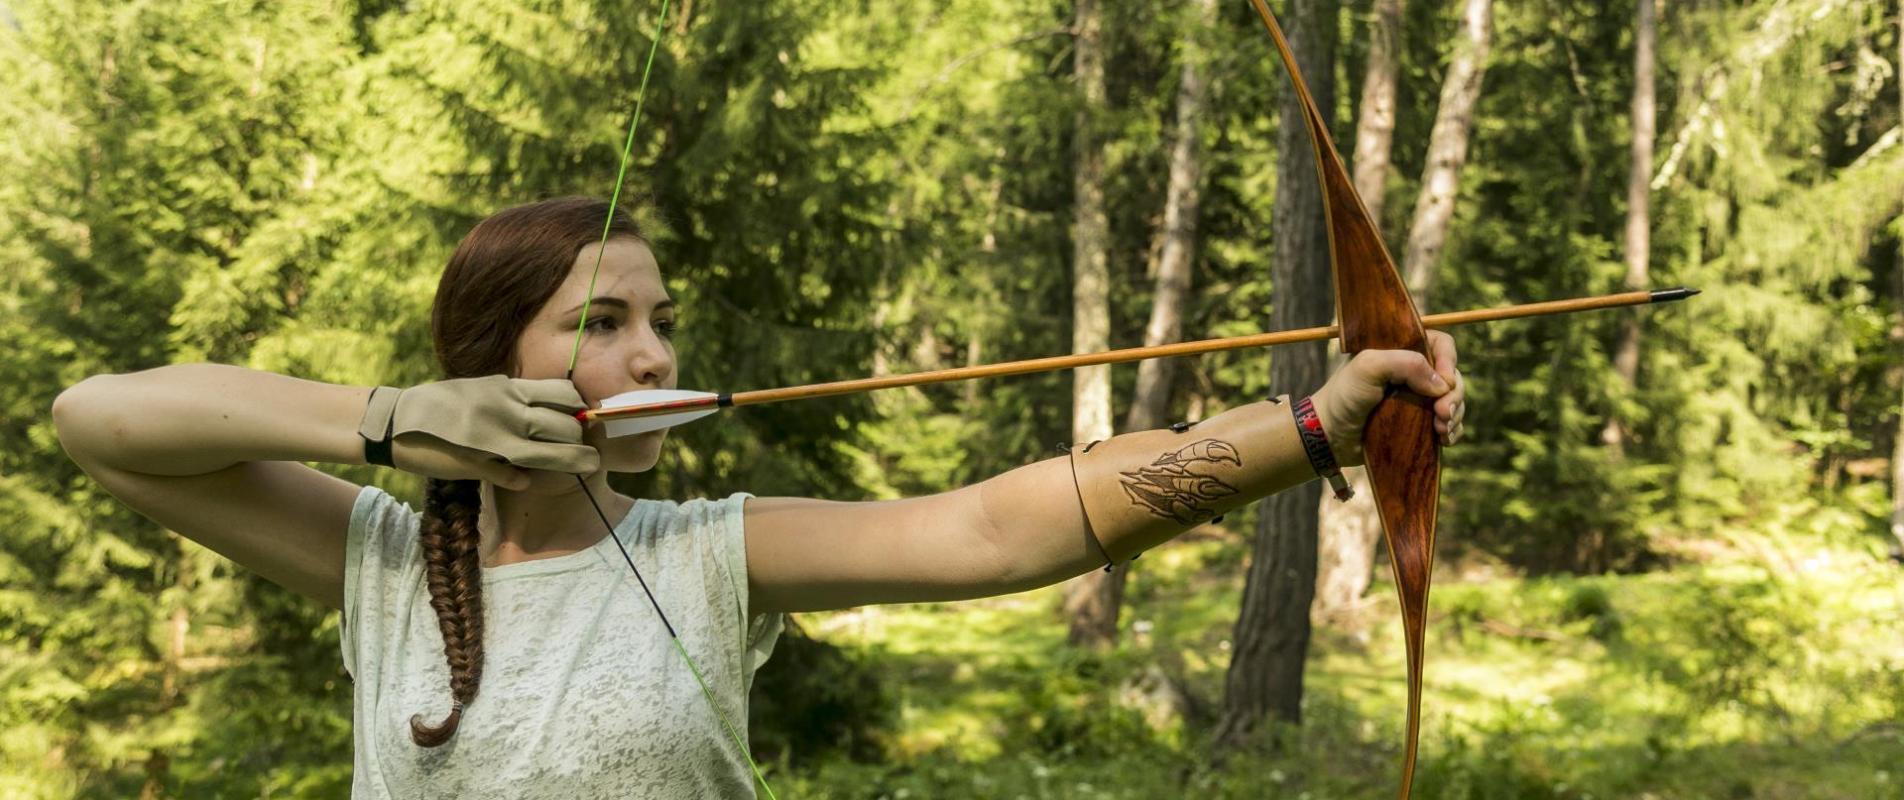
(1171, 489)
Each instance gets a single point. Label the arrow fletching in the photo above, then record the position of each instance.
(645, 410)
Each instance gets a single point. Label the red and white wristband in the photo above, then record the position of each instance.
(1315, 443)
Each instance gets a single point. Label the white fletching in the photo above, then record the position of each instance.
(642, 397)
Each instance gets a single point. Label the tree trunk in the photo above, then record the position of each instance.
(1155, 377)
(1897, 447)
(1347, 532)
(1447, 150)
(1090, 602)
(1272, 629)
(1638, 241)
(1375, 120)
(158, 763)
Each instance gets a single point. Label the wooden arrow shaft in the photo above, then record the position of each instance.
(1054, 363)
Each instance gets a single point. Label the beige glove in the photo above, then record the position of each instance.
(477, 428)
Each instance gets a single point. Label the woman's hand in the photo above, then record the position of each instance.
(1345, 402)
(491, 428)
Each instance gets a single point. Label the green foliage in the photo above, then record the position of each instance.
(1733, 637)
(1590, 602)
(882, 187)
(1070, 710)
(819, 702)
(1725, 679)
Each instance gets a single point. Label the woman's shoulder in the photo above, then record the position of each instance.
(685, 516)
(378, 511)
(707, 530)
(383, 532)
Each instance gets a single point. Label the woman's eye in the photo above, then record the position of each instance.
(668, 328)
(593, 323)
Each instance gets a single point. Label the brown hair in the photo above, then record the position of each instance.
(501, 274)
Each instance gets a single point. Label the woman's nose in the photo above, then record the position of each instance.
(651, 360)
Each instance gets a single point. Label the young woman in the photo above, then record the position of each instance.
(506, 610)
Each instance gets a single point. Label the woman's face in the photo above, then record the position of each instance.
(627, 344)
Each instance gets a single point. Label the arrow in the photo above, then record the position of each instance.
(647, 410)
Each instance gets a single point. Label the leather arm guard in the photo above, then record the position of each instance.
(1142, 488)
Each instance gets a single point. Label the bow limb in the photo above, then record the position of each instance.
(1376, 312)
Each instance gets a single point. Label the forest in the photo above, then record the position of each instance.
(1670, 559)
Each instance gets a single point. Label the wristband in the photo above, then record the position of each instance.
(380, 419)
(1315, 443)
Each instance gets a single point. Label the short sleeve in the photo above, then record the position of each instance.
(379, 550)
(759, 633)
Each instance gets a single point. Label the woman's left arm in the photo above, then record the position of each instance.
(1030, 527)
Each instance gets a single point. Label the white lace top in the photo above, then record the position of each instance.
(582, 693)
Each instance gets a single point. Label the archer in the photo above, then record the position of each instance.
(502, 609)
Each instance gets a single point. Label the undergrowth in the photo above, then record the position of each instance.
(1767, 668)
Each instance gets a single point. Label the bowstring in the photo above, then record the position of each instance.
(581, 327)
(627, 146)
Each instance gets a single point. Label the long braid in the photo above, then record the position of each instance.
(453, 572)
(501, 275)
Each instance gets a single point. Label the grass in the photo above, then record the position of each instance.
(1767, 668)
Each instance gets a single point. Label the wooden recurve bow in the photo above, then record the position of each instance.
(1375, 312)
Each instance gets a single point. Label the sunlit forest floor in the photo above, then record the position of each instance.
(1761, 665)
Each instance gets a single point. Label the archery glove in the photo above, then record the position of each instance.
(525, 423)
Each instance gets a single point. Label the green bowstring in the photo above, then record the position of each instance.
(581, 327)
(627, 146)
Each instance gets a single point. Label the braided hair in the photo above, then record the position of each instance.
(499, 277)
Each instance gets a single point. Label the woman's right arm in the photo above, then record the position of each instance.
(212, 451)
